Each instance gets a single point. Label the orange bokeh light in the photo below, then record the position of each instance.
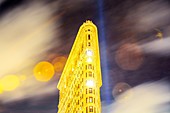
(122, 92)
(59, 63)
(129, 56)
(44, 71)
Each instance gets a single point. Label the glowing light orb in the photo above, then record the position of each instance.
(59, 63)
(89, 60)
(1, 90)
(44, 71)
(121, 91)
(129, 57)
(9, 83)
(89, 53)
(90, 83)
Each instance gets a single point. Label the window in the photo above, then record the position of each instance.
(89, 44)
(90, 90)
(88, 37)
(81, 48)
(94, 110)
(89, 66)
(90, 108)
(68, 104)
(78, 102)
(91, 99)
(86, 109)
(90, 74)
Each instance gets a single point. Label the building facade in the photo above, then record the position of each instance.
(80, 82)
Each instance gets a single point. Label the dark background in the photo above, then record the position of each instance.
(123, 22)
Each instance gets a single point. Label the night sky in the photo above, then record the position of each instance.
(131, 48)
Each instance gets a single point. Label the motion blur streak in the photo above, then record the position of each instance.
(157, 47)
(27, 34)
(1, 1)
(149, 15)
(15, 29)
(145, 98)
(103, 48)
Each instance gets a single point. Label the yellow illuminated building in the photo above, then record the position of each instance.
(80, 81)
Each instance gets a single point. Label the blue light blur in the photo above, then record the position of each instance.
(105, 90)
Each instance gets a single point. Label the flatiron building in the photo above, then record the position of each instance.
(80, 82)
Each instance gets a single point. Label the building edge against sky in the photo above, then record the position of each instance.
(81, 79)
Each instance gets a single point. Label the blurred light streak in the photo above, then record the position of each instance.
(105, 90)
(157, 47)
(27, 34)
(51, 56)
(159, 34)
(149, 15)
(1, 1)
(23, 77)
(37, 30)
(44, 71)
(146, 98)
